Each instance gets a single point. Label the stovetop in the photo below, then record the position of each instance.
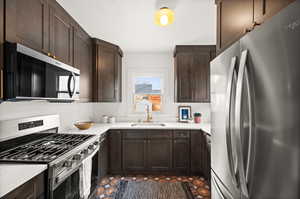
(45, 149)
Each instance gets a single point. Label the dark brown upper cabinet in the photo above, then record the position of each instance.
(108, 72)
(61, 34)
(192, 73)
(1, 46)
(45, 26)
(236, 18)
(27, 23)
(264, 9)
(83, 61)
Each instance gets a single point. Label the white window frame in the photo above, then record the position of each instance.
(133, 73)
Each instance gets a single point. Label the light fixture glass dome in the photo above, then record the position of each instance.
(164, 16)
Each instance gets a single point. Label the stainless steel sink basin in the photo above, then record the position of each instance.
(148, 124)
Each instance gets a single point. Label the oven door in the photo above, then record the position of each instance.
(69, 188)
(67, 181)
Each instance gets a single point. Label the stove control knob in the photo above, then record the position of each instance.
(92, 147)
(77, 157)
(68, 163)
(84, 152)
(96, 143)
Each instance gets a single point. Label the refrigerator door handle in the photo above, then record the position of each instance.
(239, 93)
(218, 189)
(230, 148)
(243, 77)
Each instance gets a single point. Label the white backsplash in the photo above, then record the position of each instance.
(68, 112)
(119, 110)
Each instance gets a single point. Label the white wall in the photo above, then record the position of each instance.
(69, 113)
(144, 63)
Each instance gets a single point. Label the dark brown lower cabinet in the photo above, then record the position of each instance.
(181, 156)
(200, 155)
(159, 155)
(134, 155)
(115, 152)
(33, 189)
(159, 152)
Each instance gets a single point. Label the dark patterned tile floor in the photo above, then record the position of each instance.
(108, 185)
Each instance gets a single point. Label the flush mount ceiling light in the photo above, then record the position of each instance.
(164, 16)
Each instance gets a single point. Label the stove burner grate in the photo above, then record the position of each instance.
(45, 149)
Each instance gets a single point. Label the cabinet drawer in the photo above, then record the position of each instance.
(158, 134)
(181, 134)
(135, 134)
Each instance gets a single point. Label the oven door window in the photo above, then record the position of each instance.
(41, 80)
(69, 189)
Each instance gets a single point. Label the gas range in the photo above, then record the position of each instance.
(37, 141)
(44, 150)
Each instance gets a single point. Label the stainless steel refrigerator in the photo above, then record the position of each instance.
(255, 101)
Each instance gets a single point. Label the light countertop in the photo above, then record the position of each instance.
(14, 175)
(100, 128)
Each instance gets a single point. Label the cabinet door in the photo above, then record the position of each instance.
(1, 46)
(200, 155)
(33, 189)
(181, 156)
(234, 18)
(264, 9)
(183, 82)
(200, 77)
(61, 34)
(106, 74)
(159, 155)
(83, 61)
(27, 22)
(118, 78)
(192, 73)
(115, 152)
(134, 155)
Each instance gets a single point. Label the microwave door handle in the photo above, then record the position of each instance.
(243, 77)
(230, 148)
(74, 83)
(71, 90)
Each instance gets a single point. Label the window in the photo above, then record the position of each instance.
(147, 93)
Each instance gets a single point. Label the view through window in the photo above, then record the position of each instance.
(147, 92)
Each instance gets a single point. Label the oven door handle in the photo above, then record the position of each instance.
(65, 174)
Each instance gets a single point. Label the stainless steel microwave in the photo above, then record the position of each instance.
(31, 75)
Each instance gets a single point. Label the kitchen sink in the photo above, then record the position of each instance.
(148, 124)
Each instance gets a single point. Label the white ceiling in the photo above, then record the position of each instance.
(130, 23)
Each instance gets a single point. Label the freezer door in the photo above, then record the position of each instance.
(273, 63)
(223, 86)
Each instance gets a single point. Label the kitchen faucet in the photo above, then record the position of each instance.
(149, 116)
